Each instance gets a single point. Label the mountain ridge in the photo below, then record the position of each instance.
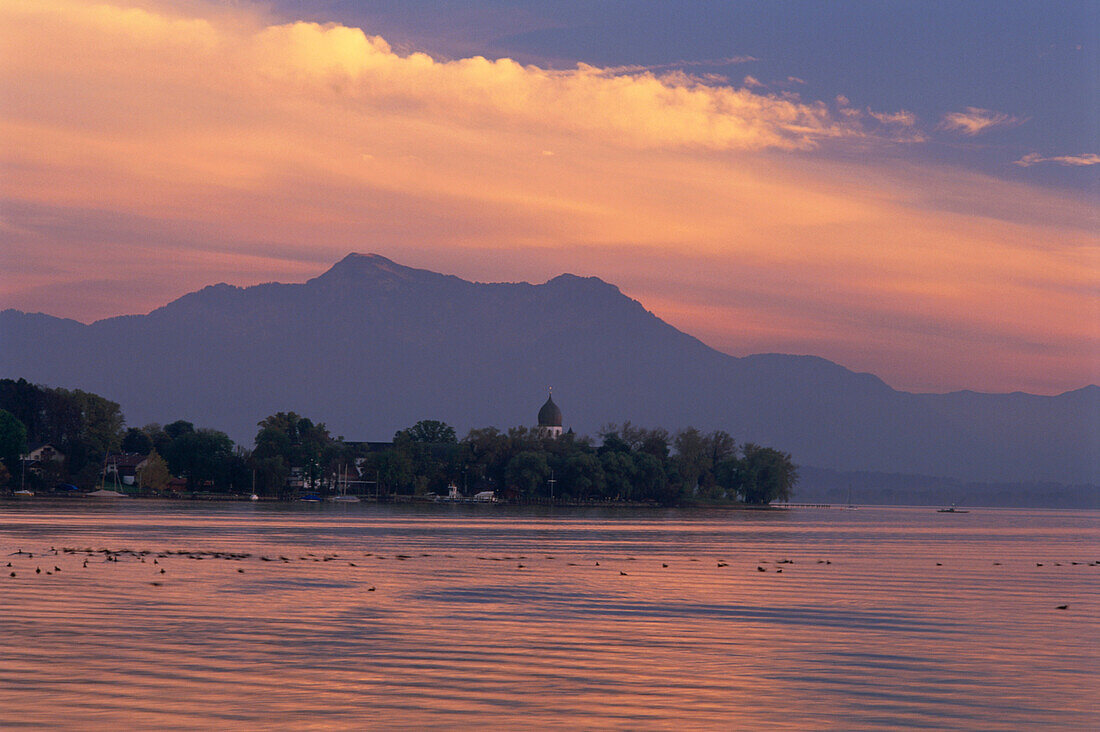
(370, 346)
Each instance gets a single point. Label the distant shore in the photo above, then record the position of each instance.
(406, 499)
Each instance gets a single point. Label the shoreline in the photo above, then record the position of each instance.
(402, 499)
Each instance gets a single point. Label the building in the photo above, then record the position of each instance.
(41, 458)
(44, 453)
(550, 418)
(124, 467)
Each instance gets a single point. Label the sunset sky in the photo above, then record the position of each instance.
(908, 189)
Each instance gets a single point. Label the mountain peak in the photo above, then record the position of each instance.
(371, 267)
(576, 284)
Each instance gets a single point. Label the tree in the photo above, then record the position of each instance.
(618, 470)
(488, 452)
(766, 475)
(24, 401)
(138, 441)
(613, 442)
(298, 441)
(201, 456)
(728, 475)
(178, 429)
(394, 470)
(651, 441)
(527, 472)
(650, 481)
(158, 437)
(271, 474)
(581, 475)
(13, 438)
(721, 446)
(428, 430)
(82, 425)
(693, 457)
(102, 422)
(154, 474)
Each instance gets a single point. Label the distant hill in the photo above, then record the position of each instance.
(371, 346)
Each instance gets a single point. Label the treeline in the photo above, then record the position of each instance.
(84, 428)
(293, 454)
(80, 425)
(626, 463)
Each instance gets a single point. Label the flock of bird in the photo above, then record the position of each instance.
(106, 556)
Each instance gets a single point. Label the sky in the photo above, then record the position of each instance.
(908, 189)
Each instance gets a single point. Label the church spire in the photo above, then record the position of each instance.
(550, 416)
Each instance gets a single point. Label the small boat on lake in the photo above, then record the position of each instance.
(23, 493)
(952, 509)
(342, 496)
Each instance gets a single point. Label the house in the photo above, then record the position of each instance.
(123, 467)
(296, 480)
(41, 457)
(44, 453)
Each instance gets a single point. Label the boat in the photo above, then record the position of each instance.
(310, 498)
(23, 492)
(342, 496)
(952, 509)
(851, 506)
(105, 493)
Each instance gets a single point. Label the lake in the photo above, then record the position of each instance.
(429, 616)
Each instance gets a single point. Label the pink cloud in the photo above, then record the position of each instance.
(975, 121)
(1072, 160)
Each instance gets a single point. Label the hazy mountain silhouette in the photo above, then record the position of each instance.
(371, 346)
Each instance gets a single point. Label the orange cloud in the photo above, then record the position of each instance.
(1074, 160)
(147, 152)
(901, 118)
(975, 121)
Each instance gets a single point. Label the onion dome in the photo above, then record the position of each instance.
(550, 415)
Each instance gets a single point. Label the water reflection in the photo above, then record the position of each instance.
(419, 617)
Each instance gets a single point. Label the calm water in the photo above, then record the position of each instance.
(884, 618)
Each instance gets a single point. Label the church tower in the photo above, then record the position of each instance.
(550, 418)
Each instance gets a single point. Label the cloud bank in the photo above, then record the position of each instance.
(146, 152)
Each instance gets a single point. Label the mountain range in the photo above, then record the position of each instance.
(372, 346)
